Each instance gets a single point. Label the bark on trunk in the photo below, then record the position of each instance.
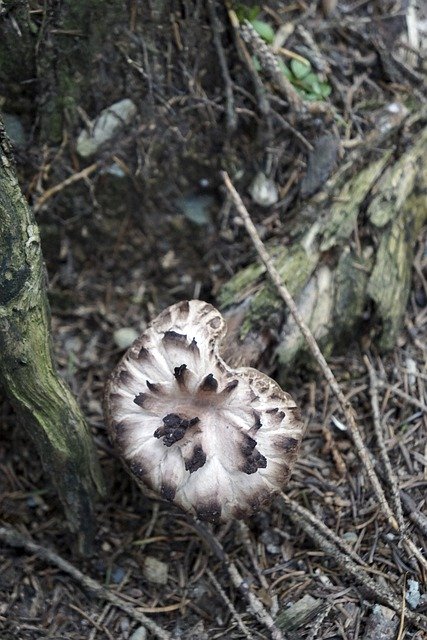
(75, 32)
(43, 402)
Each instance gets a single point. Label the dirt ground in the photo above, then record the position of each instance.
(121, 244)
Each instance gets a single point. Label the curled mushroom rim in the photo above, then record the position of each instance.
(219, 442)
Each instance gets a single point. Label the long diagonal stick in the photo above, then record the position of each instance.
(315, 350)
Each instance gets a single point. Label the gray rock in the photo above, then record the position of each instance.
(155, 570)
(263, 190)
(139, 634)
(109, 122)
(124, 337)
(14, 129)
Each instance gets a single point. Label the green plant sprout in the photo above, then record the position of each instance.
(308, 84)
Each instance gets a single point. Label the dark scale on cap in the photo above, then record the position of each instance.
(253, 462)
(287, 444)
(138, 469)
(120, 433)
(140, 399)
(167, 492)
(165, 316)
(180, 373)
(276, 415)
(296, 413)
(124, 376)
(194, 347)
(154, 388)
(257, 420)
(197, 460)
(210, 512)
(184, 307)
(143, 354)
(248, 445)
(209, 384)
(176, 338)
(174, 428)
(230, 386)
(215, 322)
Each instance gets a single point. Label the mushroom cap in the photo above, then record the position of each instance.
(219, 442)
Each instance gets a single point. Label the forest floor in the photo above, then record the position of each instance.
(113, 264)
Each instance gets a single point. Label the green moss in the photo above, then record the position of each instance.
(28, 375)
(342, 220)
(294, 265)
(351, 278)
(240, 285)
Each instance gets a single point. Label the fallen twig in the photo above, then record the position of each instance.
(315, 349)
(230, 605)
(230, 111)
(13, 538)
(391, 477)
(405, 396)
(255, 605)
(378, 592)
(81, 175)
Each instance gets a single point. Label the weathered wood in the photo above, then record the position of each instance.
(351, 252)
(43, 402)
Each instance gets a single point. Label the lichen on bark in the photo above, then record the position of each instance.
(43, 402)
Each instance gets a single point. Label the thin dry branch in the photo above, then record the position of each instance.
(81, 175)
(255, 605)
(377, 591)
(390, 475)
(315, 350)
(230, 606)
(323, 529)
(230, 111)
(404, 396)
(378, 427)
(13, 538)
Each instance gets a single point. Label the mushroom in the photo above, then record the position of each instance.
(219, 442)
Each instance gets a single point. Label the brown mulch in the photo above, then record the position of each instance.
(113, 267)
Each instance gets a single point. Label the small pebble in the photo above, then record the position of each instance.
(350, 536)
(155, 570)
(263, 190)
(124, 337)
(139, 634)
(117, 575)
(108, 123)
(413, 595)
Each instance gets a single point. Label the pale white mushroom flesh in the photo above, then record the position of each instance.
(219, 442)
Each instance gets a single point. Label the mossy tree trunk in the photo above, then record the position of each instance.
(56, 56)
(74, 34)
(44, 403)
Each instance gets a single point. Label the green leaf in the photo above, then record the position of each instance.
(247, 13)
(284, 69)
(256, 63)
(300, 69)
(311, 82)
(264, 30)
(312, 97)
(253, 12)
(325, 89)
